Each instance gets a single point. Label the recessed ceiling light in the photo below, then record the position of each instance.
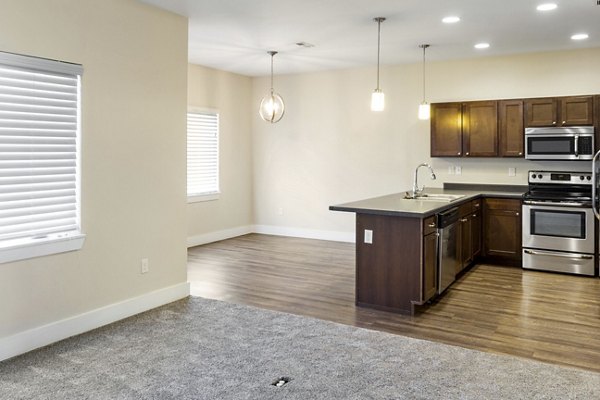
(580, 36)
(450, 19)
(546, 7)
(482, 45)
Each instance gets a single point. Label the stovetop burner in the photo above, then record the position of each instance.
(559, 187)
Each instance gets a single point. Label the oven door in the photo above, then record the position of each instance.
(558, 228)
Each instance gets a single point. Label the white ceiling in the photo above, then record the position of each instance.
(235, 35)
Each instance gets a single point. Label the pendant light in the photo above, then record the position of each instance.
(272, 107)
(378, 98)
(424, 109)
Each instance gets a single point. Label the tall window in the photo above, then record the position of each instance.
(202, 155)
(39, 156)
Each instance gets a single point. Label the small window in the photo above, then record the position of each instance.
(202, 156)
(39, 157)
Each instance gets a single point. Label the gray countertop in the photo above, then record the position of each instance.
(396, 205)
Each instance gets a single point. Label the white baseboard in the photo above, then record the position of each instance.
(32, 339)
(218, 235)
(335, 236)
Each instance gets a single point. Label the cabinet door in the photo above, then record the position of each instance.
(430, 256)
(577, 110)
(446, 130)
(541, 112)
(475, 234)
(465, 243)
(502, 228)
(480, 129)
(511, 132)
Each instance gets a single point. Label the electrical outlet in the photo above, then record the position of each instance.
(145, 266)
(451, 170)
(280, 211)
(512, 172)
(368, 236)
(458, 170)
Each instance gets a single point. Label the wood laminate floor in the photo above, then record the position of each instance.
(543, 316)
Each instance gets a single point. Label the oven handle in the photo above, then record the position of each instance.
(594, 184)
(548, 253)
(550, 204)
(576, 145)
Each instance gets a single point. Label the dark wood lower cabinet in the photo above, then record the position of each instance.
(476, 232)
(389, 273)
(430, 256)
(464, 243)
(397, 270)
(470, 234)
(502, 230)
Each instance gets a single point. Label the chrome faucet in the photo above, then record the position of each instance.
(416, 190)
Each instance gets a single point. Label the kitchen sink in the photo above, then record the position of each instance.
(448, 198)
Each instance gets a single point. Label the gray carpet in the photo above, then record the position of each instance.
(206, 349)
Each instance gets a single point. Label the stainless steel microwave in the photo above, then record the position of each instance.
(559, 143)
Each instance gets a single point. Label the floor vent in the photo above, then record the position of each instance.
(279, 382)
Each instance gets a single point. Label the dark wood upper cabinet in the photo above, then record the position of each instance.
(464, 129)
(480, 129)
(577, 110)
(541, 112)
(496, 128)
(559, 111)
(446, 130)
(510, 128)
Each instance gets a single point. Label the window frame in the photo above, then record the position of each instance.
(208, 196)
(21, 248)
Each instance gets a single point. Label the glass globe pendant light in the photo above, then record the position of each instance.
(378, 97)
(424, 109)
(272, 107)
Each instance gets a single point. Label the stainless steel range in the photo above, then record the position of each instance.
(559, 223)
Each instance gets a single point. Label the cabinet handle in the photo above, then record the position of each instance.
(517, 214)
(474, 215)
(467, 153)
(431, 225)
(476, 205)
(564, 122)
(464, 219)
(520, 153)
(553, 122)
(458, 153)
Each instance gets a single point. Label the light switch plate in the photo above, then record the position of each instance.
(512, 172)
(451, 170)
(368, 236)
(458, 170)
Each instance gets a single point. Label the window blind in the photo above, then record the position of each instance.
(202, 153)
(39, 126)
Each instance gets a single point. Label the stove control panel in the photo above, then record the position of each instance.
(560, 177)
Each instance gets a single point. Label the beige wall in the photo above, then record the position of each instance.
(133, 155)
(330, 148)
(230, 94)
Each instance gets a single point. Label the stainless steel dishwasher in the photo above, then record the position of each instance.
(448, 249)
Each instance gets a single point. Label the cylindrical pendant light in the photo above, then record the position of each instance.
(272, 107)
(424, 109)
(378, 98)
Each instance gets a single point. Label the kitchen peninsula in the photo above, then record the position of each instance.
(397, 240)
